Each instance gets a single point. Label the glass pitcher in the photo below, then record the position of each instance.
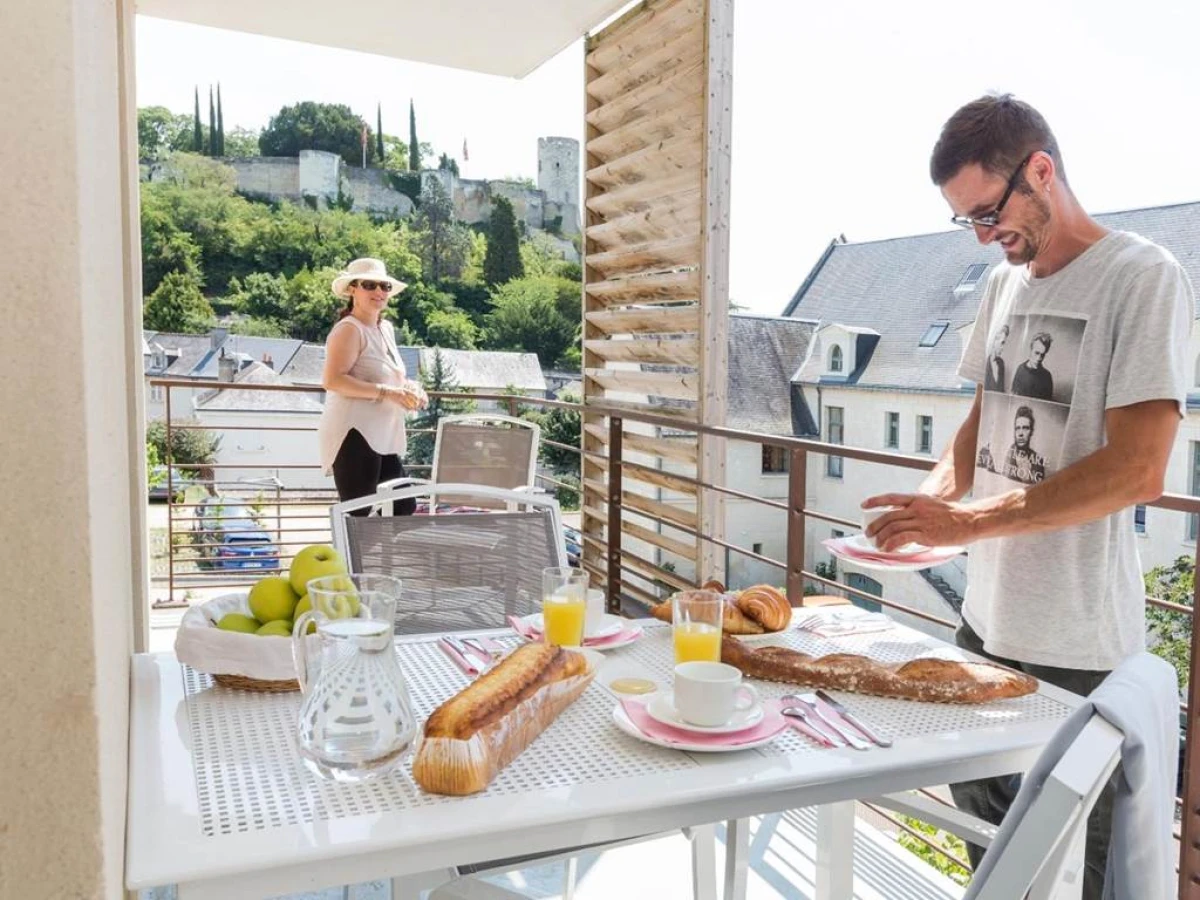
(356, 720)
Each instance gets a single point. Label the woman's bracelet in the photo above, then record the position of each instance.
(380, 390)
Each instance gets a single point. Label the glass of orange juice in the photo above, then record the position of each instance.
(697, 619)
(564, 606)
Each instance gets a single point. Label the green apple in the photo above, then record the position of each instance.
(315, 561)
(239, 622)
(272, 598)
(302, 607)
(278, 627)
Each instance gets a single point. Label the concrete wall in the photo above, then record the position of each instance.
(270, 448)
(318, 174)
(370, 190)
(277, 177)
(68, 631)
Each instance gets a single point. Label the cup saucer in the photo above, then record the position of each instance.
(661, 708)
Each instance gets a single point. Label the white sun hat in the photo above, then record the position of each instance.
(365, 269)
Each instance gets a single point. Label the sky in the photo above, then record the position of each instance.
(835, 108)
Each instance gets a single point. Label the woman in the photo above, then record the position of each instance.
(368, 393)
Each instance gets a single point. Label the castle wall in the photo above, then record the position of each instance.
(558, 177)
(319, 173)
(277, 177)
(371, 191)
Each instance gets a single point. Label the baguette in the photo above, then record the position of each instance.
(929, 680)
(472, 736)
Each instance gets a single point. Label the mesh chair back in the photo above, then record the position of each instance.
(492, 455)
(461, 571)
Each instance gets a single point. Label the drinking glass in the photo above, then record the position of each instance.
(564, 606)
(697, 619)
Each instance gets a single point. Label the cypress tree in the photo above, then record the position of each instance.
(502, 261)
(414, 149)
(212, 124)
(220, 125)
(379, 131)
(197, 131)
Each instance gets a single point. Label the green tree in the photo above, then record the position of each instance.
(261, 295)
(156, 129)
(1170, 632)
(239, 143)
(440, 378)
(562, 426)
(379, 149)
(953, 864)
(448, 163)
(535, 315)
(212, 124)
(452, 329)
(197, 131)
(177, 305)
(332, 127)
(189, 446)
(314, 308)
(220, 142)
(414, 148)
(503, 259)
(253, 327)
(444, 245)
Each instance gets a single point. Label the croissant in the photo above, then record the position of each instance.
(930, 680)
(766, 605)
(733, 620)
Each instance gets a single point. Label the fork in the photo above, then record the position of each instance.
(813, 706)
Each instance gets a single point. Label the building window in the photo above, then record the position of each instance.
(1194, 487)
(924, 434)
(774, 460)
(837, 533)
(933, 334)
(834, 434)
(835, 358)
(1139, 519)
(891, 430)
(971, 278)
(757, 548)
(156, 393)
(867, 586)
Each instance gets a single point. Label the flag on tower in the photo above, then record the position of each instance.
(465, 157)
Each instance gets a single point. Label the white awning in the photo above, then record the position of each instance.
(496, 37)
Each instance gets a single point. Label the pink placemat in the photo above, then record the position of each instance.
(772, 723)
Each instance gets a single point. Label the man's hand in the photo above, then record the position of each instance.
(920, 519)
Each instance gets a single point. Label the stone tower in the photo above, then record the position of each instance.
(558, 178)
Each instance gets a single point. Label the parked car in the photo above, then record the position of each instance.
(181, 479)
(574, 545)
(228, 537)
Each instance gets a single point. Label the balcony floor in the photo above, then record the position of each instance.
(782, 868)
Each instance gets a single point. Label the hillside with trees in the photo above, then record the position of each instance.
(210, 254)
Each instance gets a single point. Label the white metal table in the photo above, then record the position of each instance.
(220, 803)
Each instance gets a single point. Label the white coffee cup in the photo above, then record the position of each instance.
(709, 693)
(593, 617)
(870, 515)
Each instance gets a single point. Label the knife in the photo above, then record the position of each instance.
(827, 723)
(869, 733)
(470, 652)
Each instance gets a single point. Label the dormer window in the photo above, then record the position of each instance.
(835, 358)
(159, 359)
(933, 334)
(971, 278)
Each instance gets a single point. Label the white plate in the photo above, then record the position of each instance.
(622, 722)
(939, 556)
(630, 636)
(862, 543)
(662, 708)
(609, 625)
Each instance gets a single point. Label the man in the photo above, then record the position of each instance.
(1031, 378)
(994, 376)
(1054, 581)
(1023, 464)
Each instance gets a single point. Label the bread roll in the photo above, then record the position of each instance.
(733, 620)
(766, 605)
(481, 729)
(932, 680)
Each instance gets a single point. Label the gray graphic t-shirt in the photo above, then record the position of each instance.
(1108, 330)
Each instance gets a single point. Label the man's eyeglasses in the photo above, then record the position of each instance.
(372, 285)
(992, 219)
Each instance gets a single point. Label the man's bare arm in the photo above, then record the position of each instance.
(952, 477)
(1129, 469)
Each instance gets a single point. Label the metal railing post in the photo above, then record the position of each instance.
(170, 502)
(613, 587)
(797, 491)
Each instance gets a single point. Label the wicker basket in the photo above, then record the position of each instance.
(244, 662)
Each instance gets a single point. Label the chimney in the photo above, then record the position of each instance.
(226, 367)
(216, 337)
(268, 362)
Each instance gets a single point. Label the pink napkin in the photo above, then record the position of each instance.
(932, 556)
(465, 665)
(527, 631)
(772, 723)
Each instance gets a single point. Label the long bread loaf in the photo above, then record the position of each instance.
(480, 730)
(932, 680)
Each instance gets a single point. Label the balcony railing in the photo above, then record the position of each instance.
(631, 579)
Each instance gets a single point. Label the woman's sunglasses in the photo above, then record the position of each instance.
(372, 285)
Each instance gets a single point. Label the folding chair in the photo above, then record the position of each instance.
(460, 571)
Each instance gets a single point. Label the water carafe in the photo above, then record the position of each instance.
(356, 720)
